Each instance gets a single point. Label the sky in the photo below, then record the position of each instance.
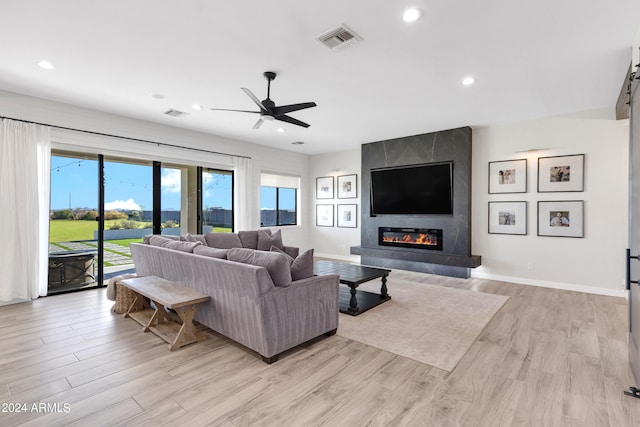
(74, 184)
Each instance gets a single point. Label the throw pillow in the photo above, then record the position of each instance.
(195, 238)
(211, 252)
(301, 266)
(266, 240)
(223, 240)
(249, 239)
(176, 245)
(276, 264)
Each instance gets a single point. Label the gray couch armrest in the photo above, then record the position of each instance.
(306, 309)
(292, 251)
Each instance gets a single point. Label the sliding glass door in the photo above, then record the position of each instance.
(217, 200)
(100, 205)
(128, 211)
(73, 229)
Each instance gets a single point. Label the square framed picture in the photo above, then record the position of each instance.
(324, 215)
(324, 187)
(348, 186)
(561, 173)
(508, 176)
(348, 216)
(561, 218)
(508, 218)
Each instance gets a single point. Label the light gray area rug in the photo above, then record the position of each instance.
(434, 325)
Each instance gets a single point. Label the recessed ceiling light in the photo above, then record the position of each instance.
(411, 15)
(196, 107)
(468, 81)
(46, 65)
(157, 95)
(280, 130)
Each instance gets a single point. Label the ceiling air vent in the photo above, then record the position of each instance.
(175, 113)
(338, 37)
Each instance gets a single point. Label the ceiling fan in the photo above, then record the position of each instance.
(268, 109)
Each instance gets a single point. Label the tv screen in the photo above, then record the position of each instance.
(418, 189)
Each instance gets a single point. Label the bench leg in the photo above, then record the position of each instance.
(188, 332)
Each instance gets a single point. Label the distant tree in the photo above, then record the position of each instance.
(115, 215)
(88, 215)
(63, 214)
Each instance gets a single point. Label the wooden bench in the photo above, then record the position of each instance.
(163, 293)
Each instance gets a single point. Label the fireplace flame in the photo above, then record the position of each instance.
(421, 239)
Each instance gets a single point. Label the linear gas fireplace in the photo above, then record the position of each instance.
(420, 238)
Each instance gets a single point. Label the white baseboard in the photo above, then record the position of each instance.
(623, 293)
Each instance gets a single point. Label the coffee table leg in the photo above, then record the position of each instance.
(383, 288)
(353, 302)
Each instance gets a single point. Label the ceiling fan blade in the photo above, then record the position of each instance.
(254, 98)
(258, 123)
(284, 109)
(291, 120)
(238, 111)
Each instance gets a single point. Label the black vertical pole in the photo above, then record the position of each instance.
(157, 203)
(199, 199)
(100, 219)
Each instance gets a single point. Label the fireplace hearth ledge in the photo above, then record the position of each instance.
(471, 261)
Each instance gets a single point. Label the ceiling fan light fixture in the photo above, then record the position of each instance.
(411, 15)
(267, 118)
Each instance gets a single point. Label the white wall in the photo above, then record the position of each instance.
(263, 158)
(594, 263)
(333, 241)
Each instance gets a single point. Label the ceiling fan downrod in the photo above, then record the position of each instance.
(269, 75)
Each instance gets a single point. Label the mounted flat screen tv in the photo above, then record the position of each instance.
(413, 190)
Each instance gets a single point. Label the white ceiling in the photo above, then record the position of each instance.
(531, 59)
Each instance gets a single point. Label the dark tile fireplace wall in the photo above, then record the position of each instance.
(455, 259)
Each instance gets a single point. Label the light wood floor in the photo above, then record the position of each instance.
(548, 358)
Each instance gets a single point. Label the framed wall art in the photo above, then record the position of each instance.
(324, 215)
(324, 187)
(347, 187)
(348, 216)
(508, 218)
(508, 176)
(561, 218)
(561, 173)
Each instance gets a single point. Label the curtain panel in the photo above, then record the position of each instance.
(243, 208)
(25, 153)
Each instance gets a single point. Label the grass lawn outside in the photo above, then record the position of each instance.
(68, 230)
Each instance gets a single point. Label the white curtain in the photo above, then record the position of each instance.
(25, 153)
(244, 211)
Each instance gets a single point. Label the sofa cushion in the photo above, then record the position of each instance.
(223, 240)
(193, 238)
(276, 264)
(301, 266)
(249, 239)
(211, 252)
(266, 240)
(176, 245)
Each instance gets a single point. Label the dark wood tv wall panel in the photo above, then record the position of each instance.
(449, 145)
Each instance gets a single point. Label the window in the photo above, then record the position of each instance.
(217, 200)
(278, 199)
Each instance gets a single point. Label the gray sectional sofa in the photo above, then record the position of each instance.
(255, 300)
